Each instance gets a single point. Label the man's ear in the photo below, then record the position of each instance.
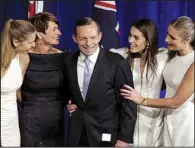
(39, 35)
(100, 36)
(15, 42)
(74, 38)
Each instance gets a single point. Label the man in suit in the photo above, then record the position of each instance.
(95, 78)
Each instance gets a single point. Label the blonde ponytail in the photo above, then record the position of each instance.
(19, 30)
(7, 52)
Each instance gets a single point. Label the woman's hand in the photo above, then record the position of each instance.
(71, 107)
(131, 94)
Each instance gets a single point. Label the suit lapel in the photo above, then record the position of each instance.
(75, 78)
(95, 74)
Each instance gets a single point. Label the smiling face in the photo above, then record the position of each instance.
(180, 34)
(173, 39)
(52, 34)
(87, 38)
(137, 40)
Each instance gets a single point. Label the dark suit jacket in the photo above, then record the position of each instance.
(104, 110)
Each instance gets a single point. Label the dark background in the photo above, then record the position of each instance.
(68, 11)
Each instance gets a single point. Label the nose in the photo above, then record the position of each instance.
(88, 42)
(59, 33)
(130, 39)
(166, 38)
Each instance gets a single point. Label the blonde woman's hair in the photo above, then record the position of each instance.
(13, 29)
(186, 26)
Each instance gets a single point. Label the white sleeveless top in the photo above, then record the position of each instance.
(179, 123)
(10, 82)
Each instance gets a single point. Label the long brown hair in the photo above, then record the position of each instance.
(149, 30)
(186, 26)
(13, 29)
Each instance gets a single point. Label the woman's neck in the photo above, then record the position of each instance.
(41, 48)
(183, 52)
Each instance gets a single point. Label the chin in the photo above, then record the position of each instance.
(171, 48)
(133, 50)
(56, 43)
(88, 53)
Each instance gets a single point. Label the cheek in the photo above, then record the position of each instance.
(174, 43)
(27, 46)
(141, 45)
(95, 42)
(48, 38)
(80, 43)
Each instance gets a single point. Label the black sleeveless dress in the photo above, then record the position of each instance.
(43, 99)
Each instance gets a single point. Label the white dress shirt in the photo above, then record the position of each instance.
(81, 66)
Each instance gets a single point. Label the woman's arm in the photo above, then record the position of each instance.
(24, 61)
(185, 90)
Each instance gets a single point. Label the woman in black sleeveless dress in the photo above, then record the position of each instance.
(44, 88)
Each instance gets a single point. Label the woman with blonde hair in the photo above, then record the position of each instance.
(17, 38)
(179, 79)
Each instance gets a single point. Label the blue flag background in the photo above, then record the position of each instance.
(162, 12)
(105, 13)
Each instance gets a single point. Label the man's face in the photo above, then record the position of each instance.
(87, 38)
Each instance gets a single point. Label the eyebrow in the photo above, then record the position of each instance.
(133, 35)
(171, 36)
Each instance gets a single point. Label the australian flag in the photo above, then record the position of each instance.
(104, 12)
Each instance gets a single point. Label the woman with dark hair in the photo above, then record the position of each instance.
(147, 62)
(179, 79)
(44, 87)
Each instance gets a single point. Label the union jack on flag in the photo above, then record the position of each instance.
(105, 13)
(34, 7)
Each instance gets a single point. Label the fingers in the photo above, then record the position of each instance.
(72, 111)
(128, 87)
(71, 107)
(124, 90)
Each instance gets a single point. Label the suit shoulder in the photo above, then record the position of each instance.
(122, 51)
(118, 50)
(67, 55)
(114, 56)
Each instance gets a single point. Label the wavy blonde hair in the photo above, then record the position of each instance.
(13, 29)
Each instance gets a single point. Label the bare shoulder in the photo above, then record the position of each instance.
(190, 70)
(55, 50)
(24, 62)
(24, 59)
(189, 75)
